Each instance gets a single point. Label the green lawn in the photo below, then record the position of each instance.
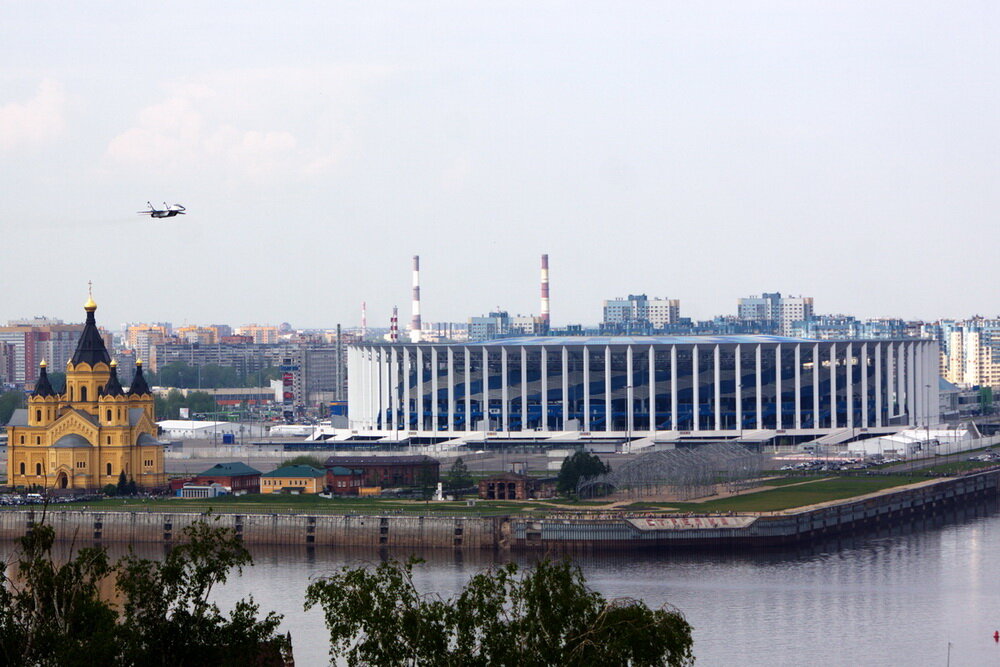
(787, 497)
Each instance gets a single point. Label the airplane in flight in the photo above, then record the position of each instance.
(166, 212)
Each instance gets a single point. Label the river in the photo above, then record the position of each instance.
(897, 597)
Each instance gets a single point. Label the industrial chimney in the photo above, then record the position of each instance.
(545, 294)
(415, 333)
(394, 326)
(364, 319)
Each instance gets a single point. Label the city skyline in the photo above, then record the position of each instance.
(700, 152)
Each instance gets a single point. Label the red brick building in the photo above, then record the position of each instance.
(388, 471)
(514, 486)
(236, 477)
(344, 481)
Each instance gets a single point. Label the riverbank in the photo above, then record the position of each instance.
(588, 527)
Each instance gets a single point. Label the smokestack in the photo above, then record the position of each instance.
(415, 332)
(364, 319)
(545, 293)
(394, 326)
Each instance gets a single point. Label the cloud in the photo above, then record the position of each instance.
(35, 121)
(245, 122)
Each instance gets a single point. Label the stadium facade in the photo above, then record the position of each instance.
(646, 384)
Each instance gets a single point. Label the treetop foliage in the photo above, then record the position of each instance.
(577, 467)
(547, 616)
(54, 614)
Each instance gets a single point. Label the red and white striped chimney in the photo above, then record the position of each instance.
(545, 293)
(394, 326)
(415, 328)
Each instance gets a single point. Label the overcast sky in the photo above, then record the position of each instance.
(701, 151)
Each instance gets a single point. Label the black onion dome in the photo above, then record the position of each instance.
(114, 386)
(90, 348)
(43, 387)
(138, 386)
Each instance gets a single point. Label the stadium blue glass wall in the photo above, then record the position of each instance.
(496, 387)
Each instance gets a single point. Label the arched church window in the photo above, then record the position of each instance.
(109, 468)
(22, 467)
(38, 468)
(109, 414)
(38, 415)
(83, 393)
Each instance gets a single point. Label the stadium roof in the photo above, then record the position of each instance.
(639, 340)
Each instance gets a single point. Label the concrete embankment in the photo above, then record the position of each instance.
(610, 531)
(348, 531)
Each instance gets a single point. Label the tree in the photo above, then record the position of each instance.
(306, 460)
(122, 484)
(547, 616)
(986, 400)
(10, 401)
(167, 618)
(458, 476)
(54, 614)
(578, 467)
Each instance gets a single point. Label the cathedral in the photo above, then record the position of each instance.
(85, 437)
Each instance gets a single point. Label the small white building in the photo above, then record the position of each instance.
(920, 442)
(212, 490)
(189, 429)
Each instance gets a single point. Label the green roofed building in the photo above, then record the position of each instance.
(293, 479)
(237, 478)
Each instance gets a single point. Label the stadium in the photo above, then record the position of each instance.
(661, 387)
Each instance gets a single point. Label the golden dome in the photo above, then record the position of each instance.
(114, 363)
(138, 362)
(43, 364)
(90, 306)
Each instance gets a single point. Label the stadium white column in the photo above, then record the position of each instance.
(863, 367)
(718, 387)
(652, 390)
(760, 404)
(565, 389)
(629, 390)
(487, 417)
(817, 366)
(394, 386)
(878, 384)
(695, 381)
(798, 385)
(901, 396)
(366, 393)
(524, 389)
(777, 387)
(434, 389)
(544, 389)
(406, 388)
(420, 389)
(849, 374)
(920, 395)
(504, 395)
(739, 387)
(383, 355)
(607, 388)
(468, 389)
(912, 402)
(833, 385)
(673, 388)
(586, 389)
(451, 389)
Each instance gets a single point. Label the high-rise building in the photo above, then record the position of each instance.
(779, 312)
(262, 334)
(640, 312)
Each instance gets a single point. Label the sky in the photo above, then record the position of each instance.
(848, 151)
